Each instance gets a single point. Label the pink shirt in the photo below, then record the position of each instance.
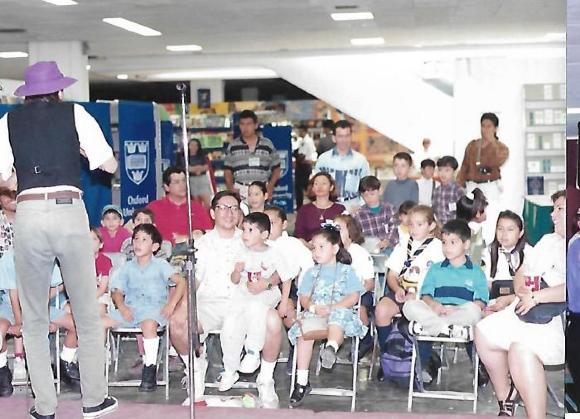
(103, 265)
(112, 244)
(171, 219)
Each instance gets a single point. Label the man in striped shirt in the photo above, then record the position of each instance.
(251, 157)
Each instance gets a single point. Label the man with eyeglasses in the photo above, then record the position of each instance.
(217, 253)
(171, 211)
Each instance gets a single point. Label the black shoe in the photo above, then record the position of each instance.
(380, 374)
(298, 395)
(509, 406)
(69, 374)
(149, 378)
(365, 346)
(483, 376)
(6, 388)
(110, 404)
(35, 415)
(328, 357)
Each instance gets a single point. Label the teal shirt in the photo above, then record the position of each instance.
(455, 285)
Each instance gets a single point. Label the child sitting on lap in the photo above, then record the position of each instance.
(454, 291)
(329, 290)
(256, 275)
(140, 293)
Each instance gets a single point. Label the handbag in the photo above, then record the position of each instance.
(543, 313)
(316, 327)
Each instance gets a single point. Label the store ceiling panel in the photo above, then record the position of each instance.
(250, 26)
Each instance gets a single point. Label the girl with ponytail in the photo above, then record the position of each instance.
(471, 209)
(328, 293)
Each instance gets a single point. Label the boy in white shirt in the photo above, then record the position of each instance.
(255, 278)
(426, 182)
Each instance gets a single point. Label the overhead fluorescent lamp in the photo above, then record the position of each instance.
(341, 17)
(13, 54)
(218, 73)
(555, 36)
(122, 76)
(131, 26)
(88, 67)
(183, 48)
(359, 42)
(61, 2)
(573, 111)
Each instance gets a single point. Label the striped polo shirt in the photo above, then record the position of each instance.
(455, 285)
(248, 166)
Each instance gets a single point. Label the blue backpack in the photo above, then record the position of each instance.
(396, 360)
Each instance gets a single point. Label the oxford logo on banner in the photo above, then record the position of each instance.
(137, 155)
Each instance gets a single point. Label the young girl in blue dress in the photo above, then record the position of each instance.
(330, 289)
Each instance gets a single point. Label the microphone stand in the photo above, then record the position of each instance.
(193, 336)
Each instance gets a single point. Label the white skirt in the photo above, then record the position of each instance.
(545, 340)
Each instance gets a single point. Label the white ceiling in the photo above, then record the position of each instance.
(263, 26)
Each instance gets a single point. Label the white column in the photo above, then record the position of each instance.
(72, 61)
(216, 89)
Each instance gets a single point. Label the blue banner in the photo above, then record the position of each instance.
(136, 155)
(96, 184)
(284, 190)
(167, 145)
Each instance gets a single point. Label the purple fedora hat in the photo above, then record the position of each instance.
(42, 78)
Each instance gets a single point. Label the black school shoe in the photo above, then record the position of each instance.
(6, 388)
(298, 395)
(69, 374)
(149, 378)
(35, 415)
(109, 405)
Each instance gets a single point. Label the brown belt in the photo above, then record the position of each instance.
(50, 195)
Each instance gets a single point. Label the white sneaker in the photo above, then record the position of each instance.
(228, 380)
(415, 328)
(250, 363)
(461, 332)
(19, 373)
(426, 377)
(267, 393)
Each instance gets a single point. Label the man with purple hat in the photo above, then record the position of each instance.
(42, 141)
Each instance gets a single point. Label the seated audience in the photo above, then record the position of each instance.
(402, 188)
(112, 230)
(446, 195)
(471, 209)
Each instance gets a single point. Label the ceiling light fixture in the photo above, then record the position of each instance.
(183, 48)
(131, 26)
(555, 36)
(359, 42)
(88, 67)
(13, 54)
(341, 17)
(218, 73)
(122, 76)
(61, 2)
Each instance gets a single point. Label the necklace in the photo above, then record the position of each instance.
(322, 212)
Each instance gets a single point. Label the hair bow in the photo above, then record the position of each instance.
(330, 226)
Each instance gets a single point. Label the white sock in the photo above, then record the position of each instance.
(333, 343)
(3, 358)
(68, 354)
(302, 377)
(267, 370)
(151, 347)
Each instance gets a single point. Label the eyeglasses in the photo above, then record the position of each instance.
(224, 208)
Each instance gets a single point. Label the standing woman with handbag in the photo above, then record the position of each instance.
(518, 341)
(328, 292)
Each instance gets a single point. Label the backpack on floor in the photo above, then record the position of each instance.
(396, 360)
